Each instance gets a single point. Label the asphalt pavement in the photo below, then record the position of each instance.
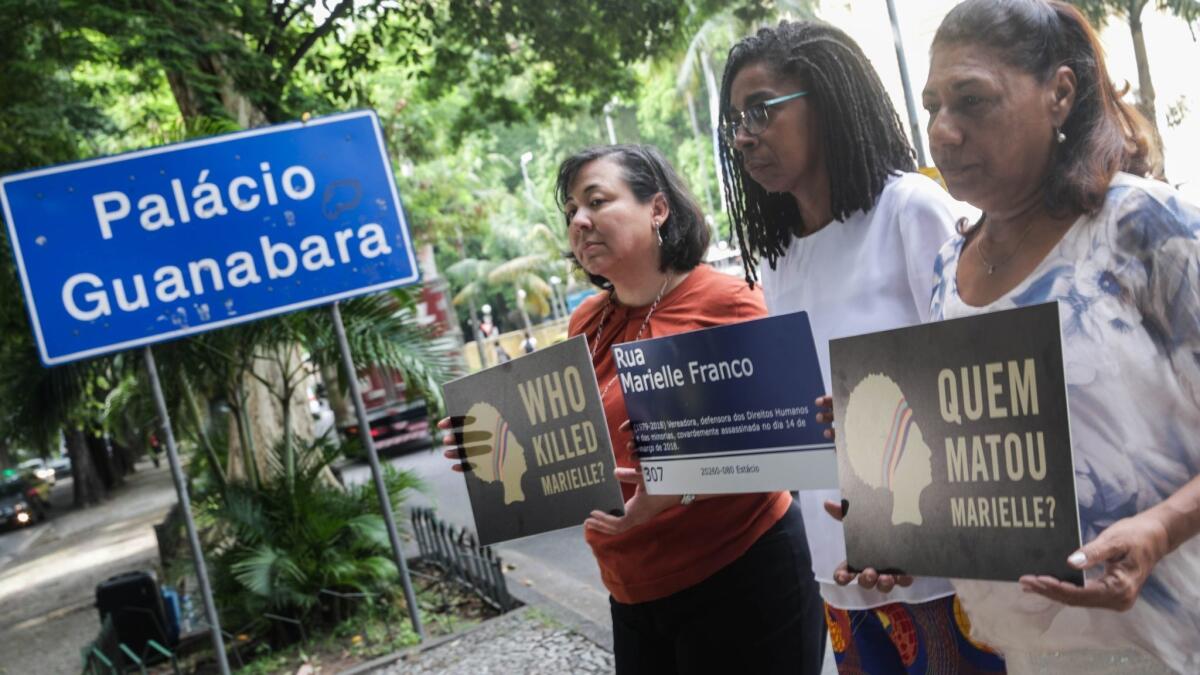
(49, 572)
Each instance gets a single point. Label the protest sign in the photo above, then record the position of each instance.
(954, 447)
(728, 409)
(536, 442)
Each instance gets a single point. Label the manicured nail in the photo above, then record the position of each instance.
(1078, 559)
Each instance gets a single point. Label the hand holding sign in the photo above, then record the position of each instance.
(955, 449)
(639, 509)
(825, 416)
(1129, 549)
(474, 443)
(868, 577)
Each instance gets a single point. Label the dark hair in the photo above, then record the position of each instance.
(863, 138)
(684, 233)
(1103, 133)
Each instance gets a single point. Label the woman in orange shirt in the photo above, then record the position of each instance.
(705, 583)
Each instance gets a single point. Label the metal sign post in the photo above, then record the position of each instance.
(185, 504)
(385, 502)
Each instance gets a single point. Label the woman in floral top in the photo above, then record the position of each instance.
(1026, 125)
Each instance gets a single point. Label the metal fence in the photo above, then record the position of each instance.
(457, 552)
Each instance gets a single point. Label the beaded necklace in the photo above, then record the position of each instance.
(604, 317)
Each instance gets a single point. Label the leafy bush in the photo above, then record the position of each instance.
(273, 549)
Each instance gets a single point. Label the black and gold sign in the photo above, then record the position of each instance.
(954, 447)
(535, 439)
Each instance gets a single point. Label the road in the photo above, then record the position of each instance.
(47, 591)
(14, 542)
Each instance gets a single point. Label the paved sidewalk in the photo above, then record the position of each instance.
(47, 591)
(523, 641)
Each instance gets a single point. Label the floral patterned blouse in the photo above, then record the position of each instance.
(1127, 280)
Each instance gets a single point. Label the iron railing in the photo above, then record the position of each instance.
(458, 553)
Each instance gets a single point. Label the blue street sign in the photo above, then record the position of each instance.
(156, 244)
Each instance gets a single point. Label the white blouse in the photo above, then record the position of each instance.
(1127, 281)
(870, 272)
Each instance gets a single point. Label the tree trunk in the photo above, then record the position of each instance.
(714, 115)
(339, 403)
(124, 457)
(264, 421)
(1146, 95)
(88, 488)
(198, 421)
(106, 469)
(193, 103)
(701, 138)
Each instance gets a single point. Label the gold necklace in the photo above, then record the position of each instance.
(991, 267)
(604, 317)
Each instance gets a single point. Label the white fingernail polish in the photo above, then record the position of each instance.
(1078, 559)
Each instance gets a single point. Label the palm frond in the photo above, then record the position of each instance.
(517, 268)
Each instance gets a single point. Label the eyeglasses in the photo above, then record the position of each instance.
(754, 119)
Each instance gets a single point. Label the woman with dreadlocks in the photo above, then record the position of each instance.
(820, 184)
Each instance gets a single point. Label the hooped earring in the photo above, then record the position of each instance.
(658, 233)
(1059, 135)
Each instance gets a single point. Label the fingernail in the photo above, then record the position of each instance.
(1078, 559)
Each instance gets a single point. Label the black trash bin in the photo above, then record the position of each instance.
(135, 603)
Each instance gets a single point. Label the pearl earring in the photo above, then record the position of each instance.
(1060, 136)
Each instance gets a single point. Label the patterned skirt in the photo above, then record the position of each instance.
(925, 638)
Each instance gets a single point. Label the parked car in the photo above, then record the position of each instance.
(20, 504)
(37, 469)
(61, 466)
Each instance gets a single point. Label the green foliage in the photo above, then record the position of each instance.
(1099, 11)
(47, 114)
(275, 547)
(566, 56)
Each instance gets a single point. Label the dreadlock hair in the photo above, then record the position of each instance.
(863, 138)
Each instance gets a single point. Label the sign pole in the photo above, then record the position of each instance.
(385, 502)
(185, 503)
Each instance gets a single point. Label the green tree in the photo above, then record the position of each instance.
(1099, 11)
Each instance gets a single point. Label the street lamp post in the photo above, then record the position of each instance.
(555, 302)
(487, 329)
(524, 315)
(526, 158)
(612, 132)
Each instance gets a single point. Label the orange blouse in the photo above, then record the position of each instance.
(683, 545)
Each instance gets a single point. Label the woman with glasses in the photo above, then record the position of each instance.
(821, 185)
(698, 583)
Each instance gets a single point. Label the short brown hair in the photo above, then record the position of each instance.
(684, 234)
